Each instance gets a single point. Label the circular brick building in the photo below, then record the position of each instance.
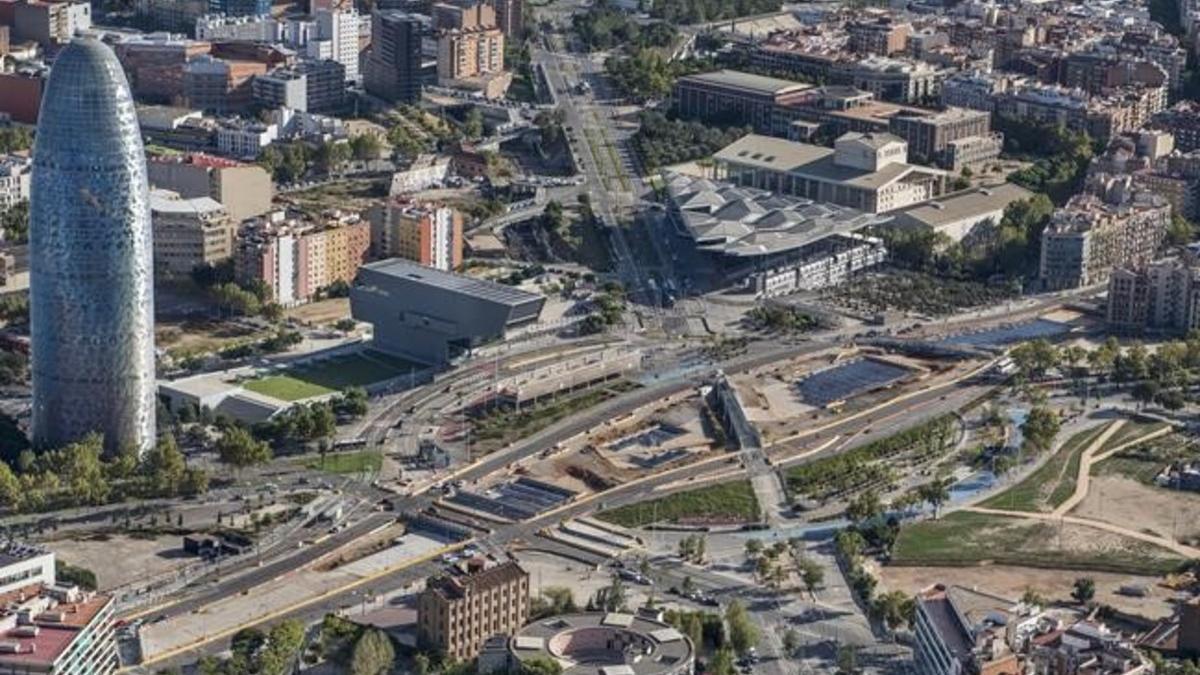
(599, 643)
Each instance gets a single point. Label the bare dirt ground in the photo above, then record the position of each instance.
(1126, 502)
(1054, 585)
(201, 336)
(351, 194)
(141, 558)
(321, 312)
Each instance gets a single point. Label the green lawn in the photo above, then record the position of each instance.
(362, 461)
(287, 387)
(1132, 429)
(964, 538)
(725, 502)
(1052, 483)
(1142, 462)
(1142, 468)
(329, 376)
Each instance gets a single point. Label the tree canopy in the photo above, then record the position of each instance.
(373, 654)
(239, 449)
(660, 141)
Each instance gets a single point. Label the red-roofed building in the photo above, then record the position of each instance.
(57, 629)
(212, 161)
(47, 627)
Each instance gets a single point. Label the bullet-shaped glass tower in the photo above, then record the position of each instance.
(91, 266)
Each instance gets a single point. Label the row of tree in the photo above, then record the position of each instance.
(15, 139)
(289, 162)
(894, 608)
(1164, 376)
(700, 11)
(14, 223)
(79, 474)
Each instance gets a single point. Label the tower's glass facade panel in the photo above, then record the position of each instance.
(91, 283)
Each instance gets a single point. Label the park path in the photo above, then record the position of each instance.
(1082, 483)
(1090, 458)
(1172, 545)
(1085, 469)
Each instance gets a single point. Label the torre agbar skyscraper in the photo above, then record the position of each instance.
(91, 273)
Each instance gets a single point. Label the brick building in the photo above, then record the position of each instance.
(879, 36)
(462, 608)
(1161, 296)
(21, 94)
(220, 86)
(154, 65)
(1183, 121)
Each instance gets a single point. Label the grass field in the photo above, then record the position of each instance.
(1052, 483)
(1143, 462)
(1132, 430)
(347, 462)
(329, 376)
(727, 502)
(964, 538)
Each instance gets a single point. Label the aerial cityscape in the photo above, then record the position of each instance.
(600, 337)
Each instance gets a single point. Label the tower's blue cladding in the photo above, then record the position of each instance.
(91, 258)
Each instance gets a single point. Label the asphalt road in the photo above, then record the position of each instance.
(580, 112)
(244, 580)
(933, 402)
(502, 537)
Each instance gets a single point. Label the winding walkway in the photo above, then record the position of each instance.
(1087, 459)
(1169, 544)
(1090, 458)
